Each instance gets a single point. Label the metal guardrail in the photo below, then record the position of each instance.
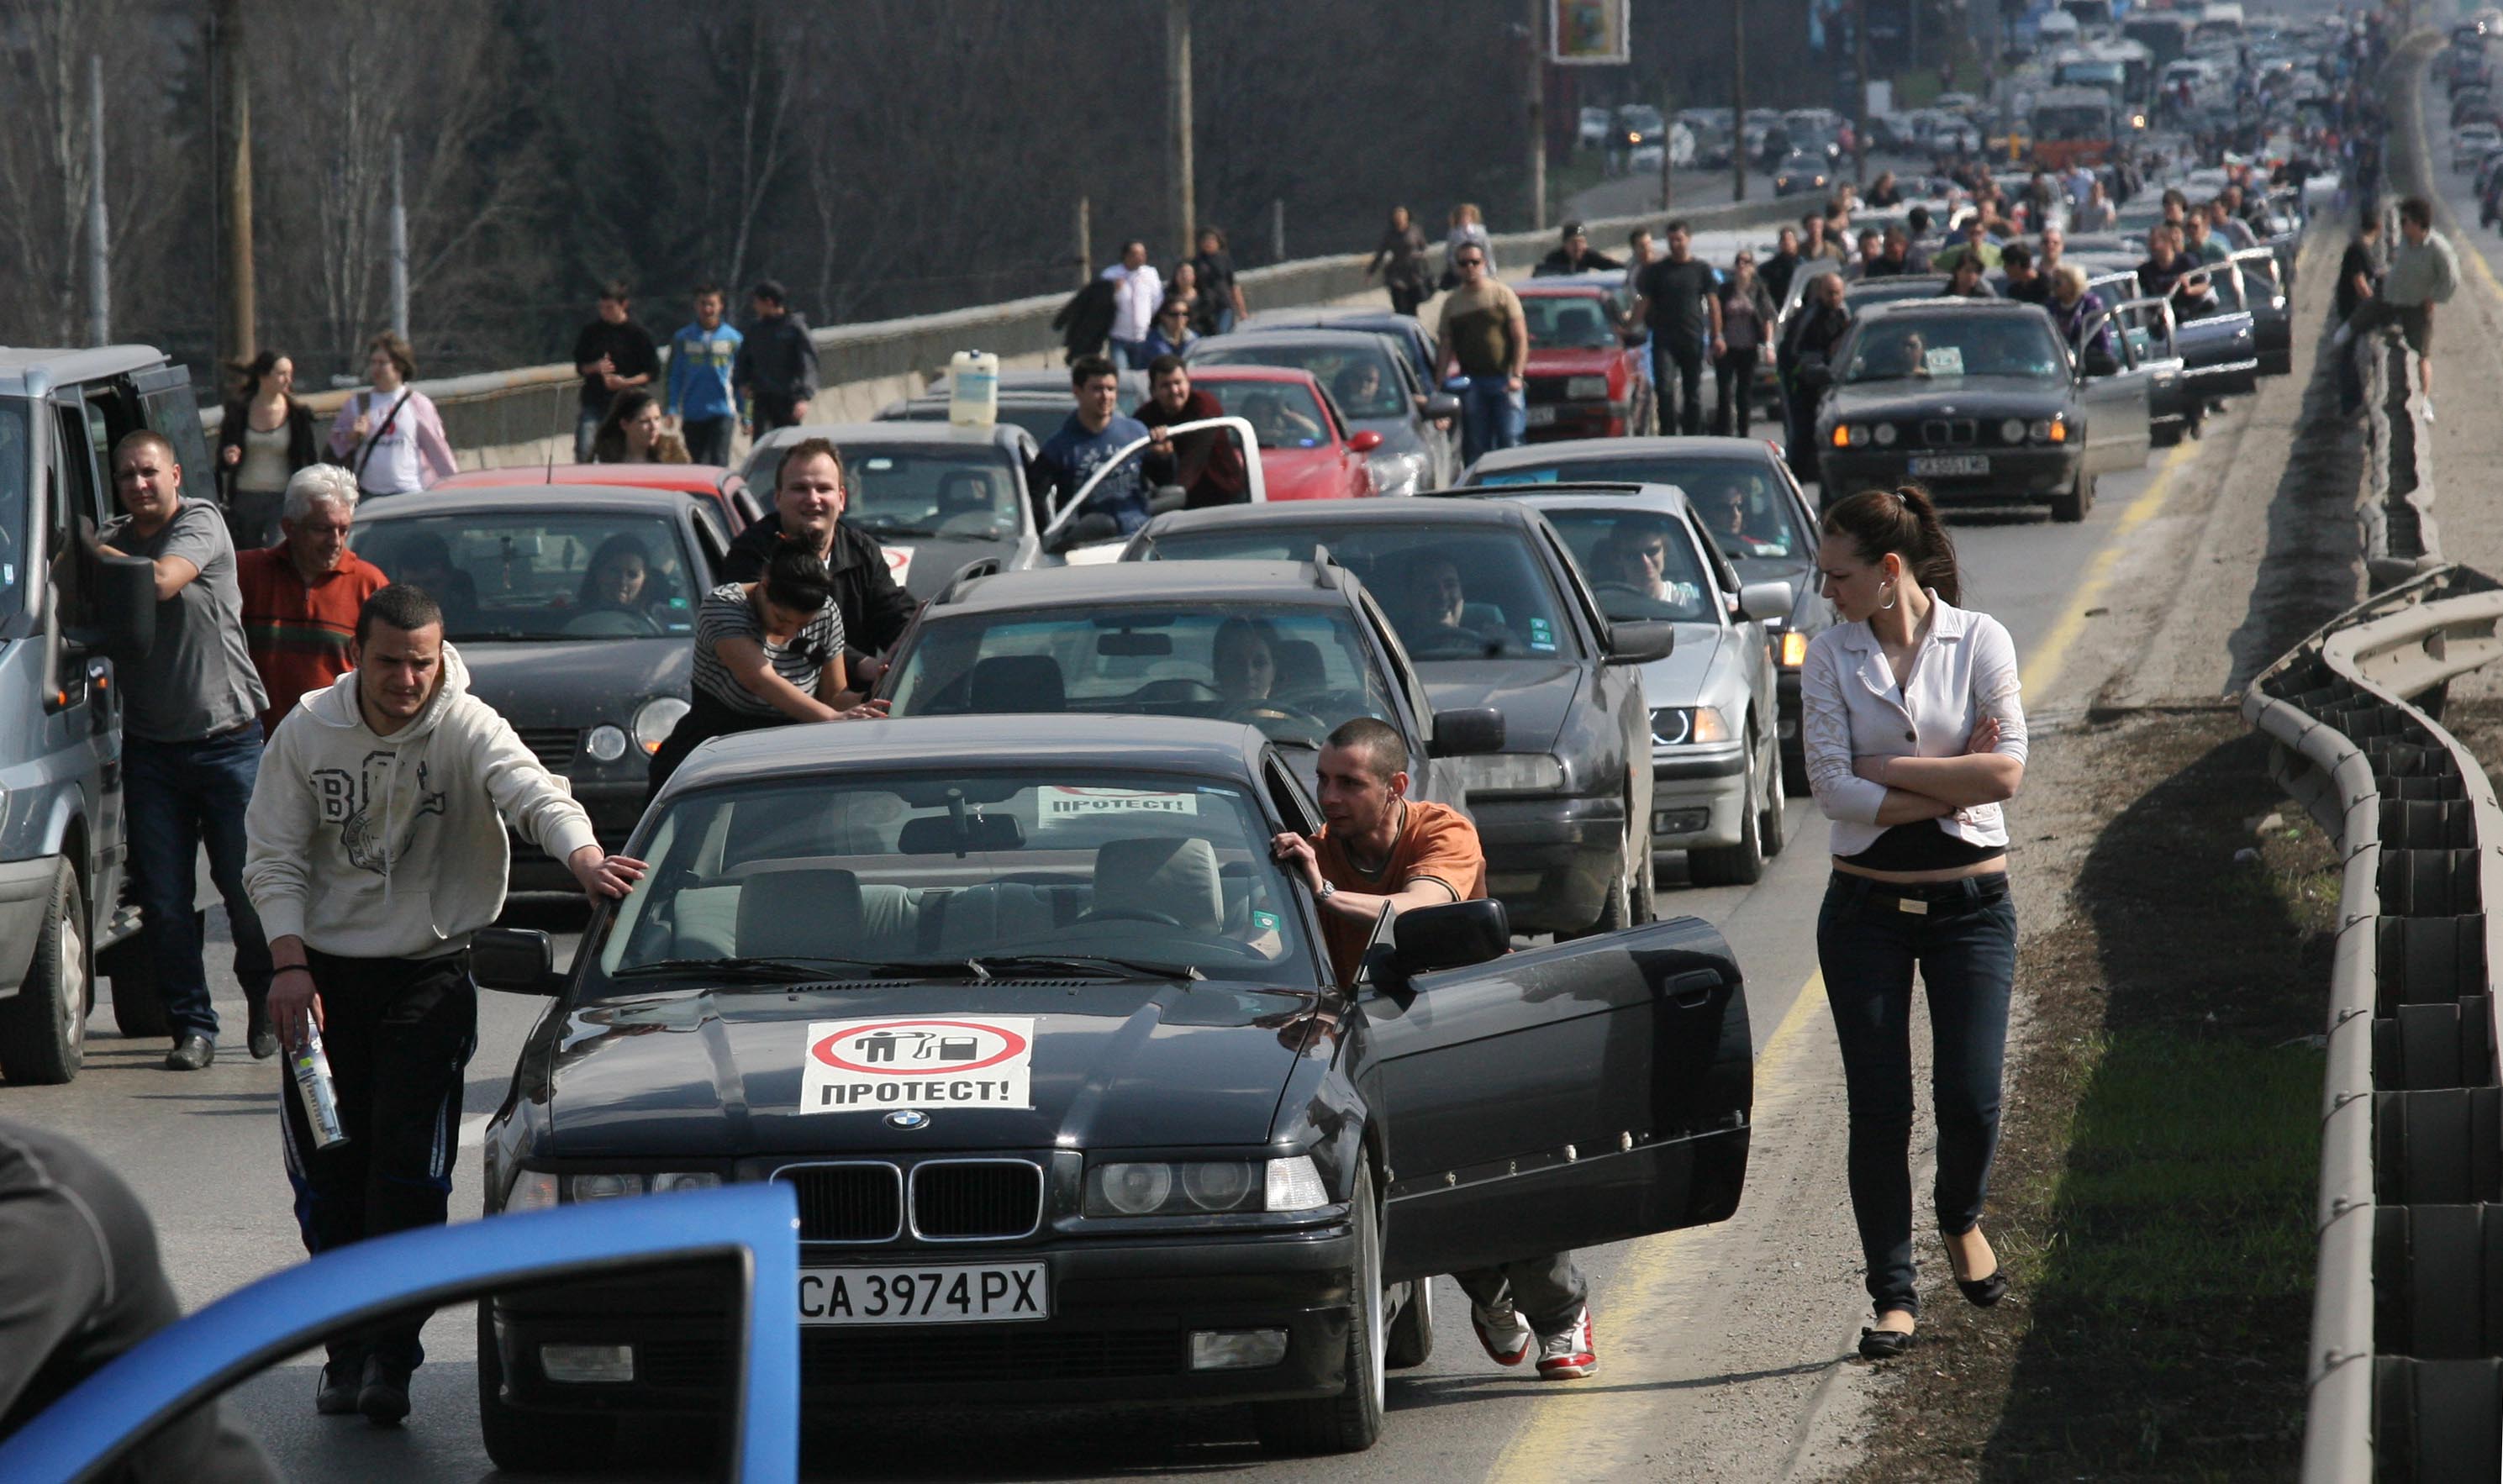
(2404, 1376)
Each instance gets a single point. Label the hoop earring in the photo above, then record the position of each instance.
(1889, 604)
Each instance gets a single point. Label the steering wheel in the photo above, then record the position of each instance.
(1265, 709)
(611, 623)
(1130, 915)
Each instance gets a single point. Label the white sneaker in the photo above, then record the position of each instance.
(2345, 332)
(2428, 407)
(1567, 1356)
(1505, 1334)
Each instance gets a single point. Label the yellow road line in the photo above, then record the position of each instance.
(2053, 651)
(1565, 1420)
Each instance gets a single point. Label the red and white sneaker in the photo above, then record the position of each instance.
(1567, 1354)
(1506, 1335)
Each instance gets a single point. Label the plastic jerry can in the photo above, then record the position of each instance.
(973, 388)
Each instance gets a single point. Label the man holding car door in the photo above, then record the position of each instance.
(1380, 852)
(376, 848)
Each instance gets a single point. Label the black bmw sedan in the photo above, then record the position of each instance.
(1980, 401)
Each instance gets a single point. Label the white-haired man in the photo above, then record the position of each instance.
(300, 597)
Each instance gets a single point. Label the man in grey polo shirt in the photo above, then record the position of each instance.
(190, 745)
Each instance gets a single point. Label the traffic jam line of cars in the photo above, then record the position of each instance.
(1006, 991)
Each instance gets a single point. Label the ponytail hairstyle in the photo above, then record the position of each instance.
(1902, 520)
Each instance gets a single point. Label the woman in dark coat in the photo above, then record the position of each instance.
(265, 436)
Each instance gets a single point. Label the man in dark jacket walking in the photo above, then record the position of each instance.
(1086, 321)
(776, 367)
(808, 507)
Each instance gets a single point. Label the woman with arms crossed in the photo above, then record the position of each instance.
(1914, 737)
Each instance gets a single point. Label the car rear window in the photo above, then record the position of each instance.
(1743, 503)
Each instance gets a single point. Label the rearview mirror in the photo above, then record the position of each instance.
(1440, 405)
(1766, 600)
(518, 959)
(1640, 641)
(1466, 731)
(1364, 442)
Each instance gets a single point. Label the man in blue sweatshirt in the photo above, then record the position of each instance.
(1094, 434)
(701, 357)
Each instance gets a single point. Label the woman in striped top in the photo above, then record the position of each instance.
(767, 652)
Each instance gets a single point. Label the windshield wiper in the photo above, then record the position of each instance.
(758, 969)
(881, 528)
(1106, 964)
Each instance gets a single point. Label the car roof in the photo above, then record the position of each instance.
(691, 479)
(1295, 374)
(1229, 750)
(1902, 307)
(35, 370)
(1658, 496)
(841, 433)
(1376, 512)
(1326, 334)
(432, 502)
(1573, 449)
(1595, 284)
(1298, 583)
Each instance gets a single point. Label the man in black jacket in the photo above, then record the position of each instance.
(808, 499)
(776, 366)
(1086, 321)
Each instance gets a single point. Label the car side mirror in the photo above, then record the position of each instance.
(1364, 442)
(1761, 601)
(1466, 731)
(124, 598)
(1640, 641)
(1440, 405)
(520, 961)
(1455, 936)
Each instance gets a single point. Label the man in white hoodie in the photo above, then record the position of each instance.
(376, 848)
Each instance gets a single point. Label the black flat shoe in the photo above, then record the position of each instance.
(1982, 1292)
(191, 1053)
(1884, 1344)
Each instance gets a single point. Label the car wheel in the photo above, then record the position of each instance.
(1351, 1421)
(1642, 893)
(1773, 830)
(1732, 865)
(43, 1029)
(2070, 507)
(1410, 1342)
(138, 1009)
(533, 1442)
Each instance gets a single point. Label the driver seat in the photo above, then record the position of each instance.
(964, 495)
(1299, 670)
(1166, 875)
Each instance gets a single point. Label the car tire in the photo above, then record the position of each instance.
(533, 1442)
(1410, 1340)
(138, 1009)
(43, 1026)
(1732, 865)
(2070, 506)
(1349, 1422)
(1772, 828)
(1794, 782)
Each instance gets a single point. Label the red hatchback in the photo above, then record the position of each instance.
(1585, 382)
(1306, 453)
(730, 494)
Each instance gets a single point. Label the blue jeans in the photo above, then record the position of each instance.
(1130, 354)
(586, 427)
(1677, 380)
(709, 438)
(1492, 416)
(179, 797)
(1964, 946)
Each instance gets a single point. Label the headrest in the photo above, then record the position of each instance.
(1172, 877)
(1298, 664)
(1006, 683)
(805, 912)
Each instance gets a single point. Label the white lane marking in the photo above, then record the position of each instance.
(473, 1129)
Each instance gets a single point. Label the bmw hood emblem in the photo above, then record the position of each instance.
(907, 1118)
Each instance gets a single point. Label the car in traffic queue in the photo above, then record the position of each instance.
(1584, 381)
(1716, 753)
(1046, 1044)
(738, 501)
(2218, 343)
(2255, 287)
(1372, 384)
(1308, 450)
(1411, 335)
(1490, 606)
(592, 668)
(1980, 401)
(1295, 649)
(933, 495)
(1039, 401)
(1748, 501)
(1801, 171)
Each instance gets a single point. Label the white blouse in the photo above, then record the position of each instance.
(1850, 708)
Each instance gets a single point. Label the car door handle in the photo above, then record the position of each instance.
(1692, 990)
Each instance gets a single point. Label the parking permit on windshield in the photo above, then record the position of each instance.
(873, 1065)
(1944, 361)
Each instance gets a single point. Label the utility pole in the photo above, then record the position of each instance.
(399, 249)
(100, 231)
(1913, 40)
(1667, 137)
(1085, 243)
(1859, 95)
(1738, 100)
(1537, 116)
(233, 80)
(1278, 229)
(1177, 125)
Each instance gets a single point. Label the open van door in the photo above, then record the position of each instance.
(2113, 391)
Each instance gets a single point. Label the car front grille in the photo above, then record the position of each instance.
(856, 1202)
(831, 1356)
(1949, 432)
(554, 746)
(961, 1200)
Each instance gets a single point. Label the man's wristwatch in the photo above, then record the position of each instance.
(1330, 889)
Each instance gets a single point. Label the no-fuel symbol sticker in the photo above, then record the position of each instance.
(869, 1065)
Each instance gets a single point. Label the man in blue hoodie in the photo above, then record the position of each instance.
(700, 358)
(1092, 437)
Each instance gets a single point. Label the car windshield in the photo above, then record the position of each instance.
(1937, 346)
(847, 872)
(914, 490)
(1640, 563)
(1741, 501)
(1364, 381)
(1450, 593)
(1566, 322)
(538, 574)
(1284, 415)
(17, 466)
(1295, 673)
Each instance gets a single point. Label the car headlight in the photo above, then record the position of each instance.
(606, 744)
(655, 720)
(2012, 430)
(1677, 725)
(1515, 773)
(1794, 652)
(1850, 435)
(535, 1189)
(1400, 474)
(1885, 434)
(532, 1190)
(1580, 389)
(2049, 430)
(1203, 1187)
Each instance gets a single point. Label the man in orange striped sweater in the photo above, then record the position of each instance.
(300, 597)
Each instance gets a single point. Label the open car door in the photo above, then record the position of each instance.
(1059, 540)
(2115, 393)
(1561, 1098)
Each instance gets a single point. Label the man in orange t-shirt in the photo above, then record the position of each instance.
(301, 598)
(1378, 849)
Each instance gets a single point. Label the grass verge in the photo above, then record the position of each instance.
(2160, 1148)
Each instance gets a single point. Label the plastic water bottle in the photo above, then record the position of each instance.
(312, 1069)
(973, 388)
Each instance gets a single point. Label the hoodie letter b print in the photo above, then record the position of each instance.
(348, 802)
